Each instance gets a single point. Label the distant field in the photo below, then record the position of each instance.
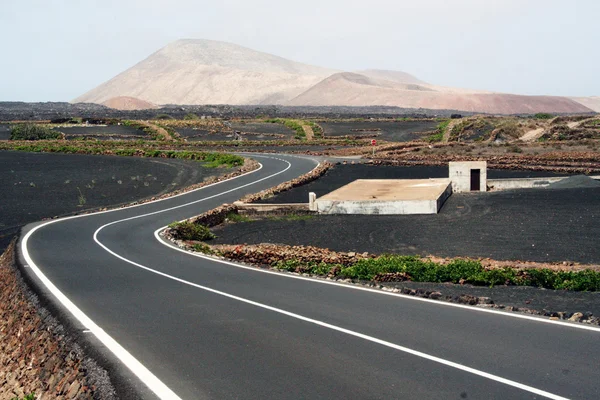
(393, 131)
(249, 131)
(109, 132)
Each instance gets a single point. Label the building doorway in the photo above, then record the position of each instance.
(475, 180)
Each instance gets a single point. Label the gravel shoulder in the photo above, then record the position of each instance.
(36, 186)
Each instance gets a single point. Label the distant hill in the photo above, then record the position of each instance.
(354, 90)
(128, 103)
(211, 72)
(394, 76)
(590, 102)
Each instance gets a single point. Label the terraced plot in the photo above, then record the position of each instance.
(393, 131)
(103, 132)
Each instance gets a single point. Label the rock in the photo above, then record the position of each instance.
(577, 317)
(484, 300)
(435, 295)
(73, 389)
(467, 299)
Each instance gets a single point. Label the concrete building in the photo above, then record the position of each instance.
(468, 176)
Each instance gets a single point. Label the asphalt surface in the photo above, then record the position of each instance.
(220, 331)
(35, 186)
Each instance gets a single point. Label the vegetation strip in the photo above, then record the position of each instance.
(212, 159)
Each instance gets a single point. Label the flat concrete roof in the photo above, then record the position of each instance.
(389, 190)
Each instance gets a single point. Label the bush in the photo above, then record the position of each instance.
(163, 116)
(191, 117)
(187, 230)
(33, 132)
(543, 116)
(457, 271)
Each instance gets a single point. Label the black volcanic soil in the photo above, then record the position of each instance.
(100, 130)
(263, 127)
(4, 131)
(544, 225)
(43, 185)
(341, 175)
(393, 131)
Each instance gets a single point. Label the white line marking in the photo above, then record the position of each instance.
(144, 374)
(377, 291)
(348, 331)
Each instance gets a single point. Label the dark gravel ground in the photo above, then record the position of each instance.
(193, 135)
(100, 130)
(397, 131)
(266, 127)
(341, 175)
(35, 186)
(518, 296)
(4, 131)
(544, 225)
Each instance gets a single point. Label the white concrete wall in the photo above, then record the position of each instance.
(525, 183)
(377, 207)
(460, 175)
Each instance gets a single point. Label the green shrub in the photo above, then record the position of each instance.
(187, 230)
(163, 116)
(457, 271)
(191, 116)
(543, 116)
(235, 217)
(33, 132)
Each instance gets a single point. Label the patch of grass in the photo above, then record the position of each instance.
(30, 396)
(293, 124)
(457, 271)
(81, 198)
(441, 130)
(191, 117)
(187, 230)
(235, 217)
(203, 248)
(33, 132)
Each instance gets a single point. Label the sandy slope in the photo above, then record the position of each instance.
(128, 103)
(358, 90)
(590, 102)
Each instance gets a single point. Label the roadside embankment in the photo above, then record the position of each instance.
(37, 356)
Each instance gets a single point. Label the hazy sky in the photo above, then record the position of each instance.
(55, 50)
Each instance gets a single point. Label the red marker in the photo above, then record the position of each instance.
(373, 142)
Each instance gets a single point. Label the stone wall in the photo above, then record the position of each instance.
(36, 354)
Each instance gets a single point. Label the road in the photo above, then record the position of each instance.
(177, 325)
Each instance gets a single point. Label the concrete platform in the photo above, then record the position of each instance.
(387, 196)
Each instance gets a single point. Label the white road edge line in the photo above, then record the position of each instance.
(193, 202)
(376, 291)
(143, 373)
(348, 331)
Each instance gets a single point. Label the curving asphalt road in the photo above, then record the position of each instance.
(176, 325)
